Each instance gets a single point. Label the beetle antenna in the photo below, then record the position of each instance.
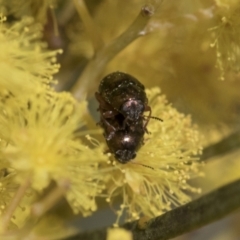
(156, 118)
(143, 165)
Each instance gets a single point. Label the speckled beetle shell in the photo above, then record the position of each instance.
(125, 94)
(122, 102)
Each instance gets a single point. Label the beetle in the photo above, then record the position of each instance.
(121, 93)
(122, 102)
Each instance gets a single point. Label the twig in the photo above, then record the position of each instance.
(195, 214)
(97, 64)
(226, 145)
(66, 13)
(6, 218)
(90, 27)
(39, 208)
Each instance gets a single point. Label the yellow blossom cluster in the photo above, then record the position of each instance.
(226, 35)
(24, 57)
(156, 180)
(31, 8)
(40, 130)
(41, 145)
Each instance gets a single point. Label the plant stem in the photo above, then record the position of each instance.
(224, 146)
(66, 13)
(186, 218)
(97, 64)
(6, 218)
(39, 208)
(90, 27)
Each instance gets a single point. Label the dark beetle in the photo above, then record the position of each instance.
(122, 102)
(121, 93)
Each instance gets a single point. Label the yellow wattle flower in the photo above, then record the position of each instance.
(32, 8)
(156, 180)
(25, 62)
(226, 34)
(42, 146)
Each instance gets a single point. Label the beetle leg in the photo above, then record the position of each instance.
(106, 110)
(110, 136)
(147, 108)
(109, 114)
(124, 123)
(102, 103)
(110, 127)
